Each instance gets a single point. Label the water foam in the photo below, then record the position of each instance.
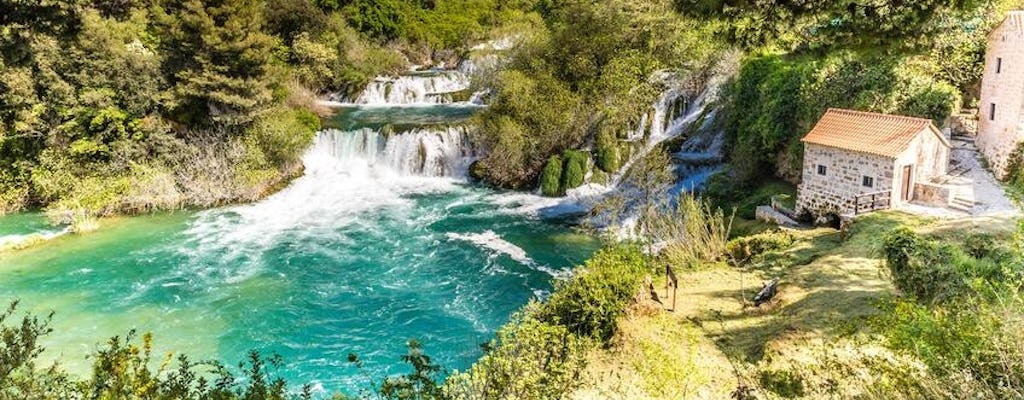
(414, 89)
(347, 174)
(17, 241)
(490, 240)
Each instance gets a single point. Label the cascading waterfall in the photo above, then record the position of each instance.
(433, 88)
(433, 152)
(670, 115)
(700, 156)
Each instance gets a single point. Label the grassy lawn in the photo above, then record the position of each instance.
(715, 340)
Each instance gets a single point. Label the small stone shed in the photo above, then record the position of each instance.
(857, 162)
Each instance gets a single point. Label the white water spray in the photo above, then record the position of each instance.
(414, 89)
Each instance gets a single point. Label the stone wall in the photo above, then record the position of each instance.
(930, 193)
(928, 158)
(998, 137)
(835, 192)
(964, 123)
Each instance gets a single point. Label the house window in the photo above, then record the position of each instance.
(868, 181)
(821, 170)
(992, 112)
(999, 65)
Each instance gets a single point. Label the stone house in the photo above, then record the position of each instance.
(856, 162)
(1001, 105)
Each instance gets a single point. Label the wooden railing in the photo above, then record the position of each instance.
(869, 202)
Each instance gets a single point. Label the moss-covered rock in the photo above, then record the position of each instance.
(550, 184)
(477, 170)
(575, 169)
(608, 152)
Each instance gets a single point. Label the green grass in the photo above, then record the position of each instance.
(830, 283)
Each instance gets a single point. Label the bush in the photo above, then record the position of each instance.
(550, 184)
(934, 272)
(692, 233)
(607, 152)
(528, 359)
(284, 135)
(589, 303)
(743, 249)
(575, 169)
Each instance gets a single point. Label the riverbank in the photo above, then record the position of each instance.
(716, 344)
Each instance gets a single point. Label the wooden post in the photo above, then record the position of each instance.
(671, 280)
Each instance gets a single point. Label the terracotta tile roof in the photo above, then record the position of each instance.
(879, 134)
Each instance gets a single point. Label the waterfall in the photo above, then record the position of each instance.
(431, 152)
(671, 113)
(699, 156)
(414, 89)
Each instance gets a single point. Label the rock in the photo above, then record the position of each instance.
(767, 292)
(773, 216)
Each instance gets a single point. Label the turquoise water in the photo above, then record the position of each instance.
(353, 257)
(399, 118)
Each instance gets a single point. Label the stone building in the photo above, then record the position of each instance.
(1001, 106)
(856, 162)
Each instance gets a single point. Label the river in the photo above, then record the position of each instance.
(382, 240)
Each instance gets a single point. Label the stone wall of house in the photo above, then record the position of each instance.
(928, 158)
(998, 137)
(835, 192)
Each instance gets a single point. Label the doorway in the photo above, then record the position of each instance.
(908, 170)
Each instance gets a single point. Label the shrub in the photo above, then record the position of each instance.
(575, 169)
(528, 359)
(935, 272)
(589, 303)
(283, 135)
(550, 184)
(743, 249)
(691, 233)
(607, 152)
(784, 383)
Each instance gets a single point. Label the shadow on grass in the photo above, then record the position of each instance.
(826, 312)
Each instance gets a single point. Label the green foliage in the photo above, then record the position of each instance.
(550, 178)
(775, 100)
(528, 359)
(385, 19)
(784, 383)
(590, 70)
(219, 60)
(934, 272)
(742, 249)
(829, 23)
(575, 169)
(530, 119)
(691, 234)
(608, 158)
(421, 383)
(1015, 172)
(283, 135)
(288, 18)
(589, 303)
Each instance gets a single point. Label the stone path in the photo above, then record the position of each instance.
(976, 192)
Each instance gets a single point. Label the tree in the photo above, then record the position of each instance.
(828, 22)
(218, 60)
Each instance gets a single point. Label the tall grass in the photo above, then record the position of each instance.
(689, 234)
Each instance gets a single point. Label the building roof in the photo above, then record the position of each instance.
(879, 134)
(1014, 23)
(1015, 20)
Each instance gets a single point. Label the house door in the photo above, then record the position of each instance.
(907, 171)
